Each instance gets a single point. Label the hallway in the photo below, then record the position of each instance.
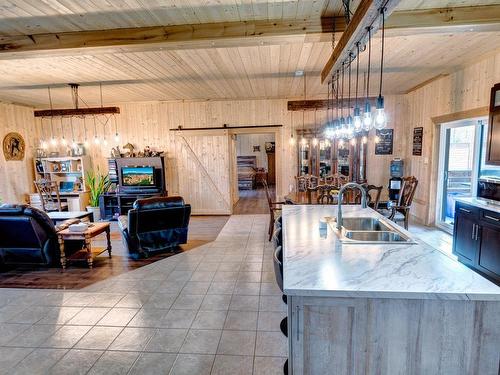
(253, 202)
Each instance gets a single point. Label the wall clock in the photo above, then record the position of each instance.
(13, 147)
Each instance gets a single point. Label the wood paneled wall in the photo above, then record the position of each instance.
(464, 90)
(198, 162)
(16, 177)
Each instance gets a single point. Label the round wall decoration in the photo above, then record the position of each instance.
(13, 147)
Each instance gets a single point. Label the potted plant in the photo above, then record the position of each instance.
(98, 184)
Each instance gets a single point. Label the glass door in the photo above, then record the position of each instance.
(458, 169)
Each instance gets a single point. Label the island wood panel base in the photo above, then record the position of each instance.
(393, 336)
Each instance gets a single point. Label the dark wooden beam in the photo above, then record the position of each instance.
(76, 111)
(227, 127)
(366, 15)
(322, 104)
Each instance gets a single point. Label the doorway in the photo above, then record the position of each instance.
(459, 155)
(255, 163)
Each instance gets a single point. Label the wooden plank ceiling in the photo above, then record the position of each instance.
(236, 72)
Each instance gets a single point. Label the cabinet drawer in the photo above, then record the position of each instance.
(465, 209)
(490, 217)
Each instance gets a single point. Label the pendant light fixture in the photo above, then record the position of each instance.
(357, 122)
(96, 139)
(53, 140)
(380, 118)
(64, 142)
(315, 139)
(336, 122)
(85, 138)
(349, 125)
(342, 119)
(329, 112)
(73, 141)
(105, 140)
(303, 140)
(292, 139)
(367, 116)
(43, 142)
(117, 136)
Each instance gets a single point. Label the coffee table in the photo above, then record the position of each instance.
(57, 216)
(87, 252)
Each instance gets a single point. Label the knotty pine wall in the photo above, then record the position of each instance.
(16, 177)
(466, 89)
(198, 166)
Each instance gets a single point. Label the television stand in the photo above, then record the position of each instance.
(113, 205)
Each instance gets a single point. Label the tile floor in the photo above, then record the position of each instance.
(213, 310)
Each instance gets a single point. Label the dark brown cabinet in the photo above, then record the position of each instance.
(493, 145)
(476, 239)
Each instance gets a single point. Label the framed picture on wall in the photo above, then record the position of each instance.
(385, 142)
(418, 138)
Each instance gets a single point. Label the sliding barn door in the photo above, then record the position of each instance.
(204, 173)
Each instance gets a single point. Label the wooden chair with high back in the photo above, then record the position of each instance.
(401, 211)
(373, 194)
(301, 183)
(313, 181)
(274, 209)
(326, 194)
(49, 195)
(329, 179)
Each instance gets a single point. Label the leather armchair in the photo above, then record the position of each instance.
(155, 224)
(27, 236)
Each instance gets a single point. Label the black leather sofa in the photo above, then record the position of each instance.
(27, 236)
(154, 225)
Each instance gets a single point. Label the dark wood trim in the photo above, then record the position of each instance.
(227, 127)
(76, 111)
(311, 105)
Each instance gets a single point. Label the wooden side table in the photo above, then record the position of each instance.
(86, 236)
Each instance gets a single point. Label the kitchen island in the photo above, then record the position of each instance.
(396, 308)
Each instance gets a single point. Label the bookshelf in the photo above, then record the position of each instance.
(69, 172)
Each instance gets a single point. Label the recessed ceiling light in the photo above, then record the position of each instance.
(299, 73)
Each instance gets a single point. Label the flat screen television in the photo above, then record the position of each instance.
(139, 176)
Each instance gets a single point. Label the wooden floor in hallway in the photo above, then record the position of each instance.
(253, 201)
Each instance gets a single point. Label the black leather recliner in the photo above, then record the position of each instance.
(155, 224)
(28, 236)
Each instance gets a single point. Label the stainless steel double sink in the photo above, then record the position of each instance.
(362, 230)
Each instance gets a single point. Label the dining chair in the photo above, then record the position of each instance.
(401, 210)
(373, 194)
(274, 209)
(301, 183)
(49, 195)
(313, 181)
(327, 194)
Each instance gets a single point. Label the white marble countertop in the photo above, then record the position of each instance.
(486, 204)
(316, 266)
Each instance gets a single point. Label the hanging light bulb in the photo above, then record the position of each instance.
(53, 141)
(367, 117)
(380, 118)
(357, 122)
(96, 139)
(292, 141)
(303, 141)
(73, 142)
(117, 136)
(353, 142)
(364, 140)
(376, 139)
(315, 141)
(64, 142)
(341, 142)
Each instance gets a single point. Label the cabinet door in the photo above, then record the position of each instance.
(489, 252)
(464, 243)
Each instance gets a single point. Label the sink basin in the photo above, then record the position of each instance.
(375, 237)
(369, 230)
(364, 224)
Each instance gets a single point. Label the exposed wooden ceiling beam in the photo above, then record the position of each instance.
(366, 15)
(76, 111)
(234, 34)
(209, 35)
(444, 17)
(320, 104)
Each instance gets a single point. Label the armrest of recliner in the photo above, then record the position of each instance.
(123, 223)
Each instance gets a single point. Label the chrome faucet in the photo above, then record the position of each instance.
(350, 185)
